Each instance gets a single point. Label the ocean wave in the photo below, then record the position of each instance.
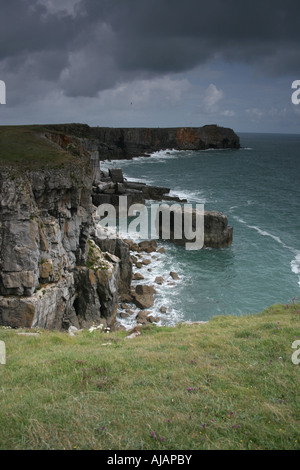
(262, 232)
(295, 265)
(161, 155)
(197, 196)
(267, 234)
(129, 179)
(239, 219)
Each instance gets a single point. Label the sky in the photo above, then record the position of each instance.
(151, 63)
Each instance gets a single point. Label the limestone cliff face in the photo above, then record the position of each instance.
(52, 276)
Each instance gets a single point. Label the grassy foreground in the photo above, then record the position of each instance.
(227, 384)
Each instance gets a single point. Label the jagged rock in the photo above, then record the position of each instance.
(174, 275)
(142, 318)
(142, 289)
(163, 309)
(111, 243)
(137, 277)
(143, 297)
(146, 261)
(129, 311)
(159, 280)
(152, 319)
(148, 246)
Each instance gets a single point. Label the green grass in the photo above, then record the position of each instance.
(25, 147)
(226, 384)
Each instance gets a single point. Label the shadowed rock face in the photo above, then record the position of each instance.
(52, 274)
(126, 143)
(119, 143)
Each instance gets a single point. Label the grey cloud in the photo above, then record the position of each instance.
(100, 43)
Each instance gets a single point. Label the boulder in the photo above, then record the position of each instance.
(152, 319)
(148, 246)
(174, 275)
(137, 277)
(142, 318)
(143, 297)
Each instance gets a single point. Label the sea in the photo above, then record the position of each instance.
(258, 188)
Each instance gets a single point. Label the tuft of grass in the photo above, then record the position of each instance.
(226, 384)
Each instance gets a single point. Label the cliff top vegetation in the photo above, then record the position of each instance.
(26, 147)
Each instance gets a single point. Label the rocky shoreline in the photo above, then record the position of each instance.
(136, 304)
(55, 270)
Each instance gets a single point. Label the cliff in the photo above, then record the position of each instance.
(52, 273)
(55, 271)
(126, 143)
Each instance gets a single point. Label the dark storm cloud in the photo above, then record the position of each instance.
(106, 42)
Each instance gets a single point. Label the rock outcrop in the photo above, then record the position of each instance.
(53, 274)
(112, 185)
(207, 229)
(118, 143)
(127, 143)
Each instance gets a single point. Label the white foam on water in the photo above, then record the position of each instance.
(129, 179)
(266, 234)
(161, 265)
(260, 231)
(239, 219)
(197, 196)
(295, 263)
(161, 156)
(295, 266)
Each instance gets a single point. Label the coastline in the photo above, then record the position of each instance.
(55, 272)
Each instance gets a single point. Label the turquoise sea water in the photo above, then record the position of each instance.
(258, 187)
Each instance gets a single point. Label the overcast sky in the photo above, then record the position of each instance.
(151, 63)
